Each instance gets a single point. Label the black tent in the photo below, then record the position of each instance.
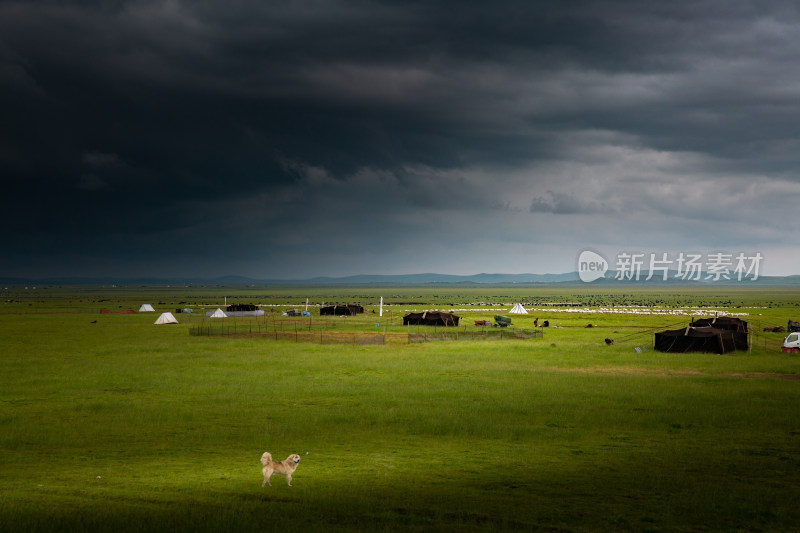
(340, 310)
(241, 307)
(700, 339)
(722, 322)
(430, 318)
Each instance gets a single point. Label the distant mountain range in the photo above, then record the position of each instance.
(569, 278)
(426, 279)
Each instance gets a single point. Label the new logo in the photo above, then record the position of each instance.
(591, 266)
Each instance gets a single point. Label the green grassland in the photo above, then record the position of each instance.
(109, 423)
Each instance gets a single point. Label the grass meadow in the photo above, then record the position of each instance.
(109, 423)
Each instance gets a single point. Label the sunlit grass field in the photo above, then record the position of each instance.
(109, 423)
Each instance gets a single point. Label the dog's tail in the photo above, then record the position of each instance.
(266, 458)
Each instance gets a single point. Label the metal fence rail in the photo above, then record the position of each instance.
(486, 334)
(302, 331)
(318, 337)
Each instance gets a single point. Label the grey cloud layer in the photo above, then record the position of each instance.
(123, 118)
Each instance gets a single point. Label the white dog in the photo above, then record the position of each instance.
(285, 467)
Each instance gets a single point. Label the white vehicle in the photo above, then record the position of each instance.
(792, 342)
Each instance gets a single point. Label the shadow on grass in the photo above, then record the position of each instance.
(512, 499)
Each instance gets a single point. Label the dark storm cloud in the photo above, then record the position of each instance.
(140, 122)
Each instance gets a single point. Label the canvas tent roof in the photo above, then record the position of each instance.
(146, 308)
(430, 318)
(241, 307)
(518, 310)
(341, 310)
(219, 313)
(241, 310)
(722, 322)
(700, 339)
(166, 318)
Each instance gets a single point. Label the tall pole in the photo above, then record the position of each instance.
(381, 314)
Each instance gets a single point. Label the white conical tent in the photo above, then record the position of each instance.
(146, 308)
(518, 310)
(219, 313)
(166, 318)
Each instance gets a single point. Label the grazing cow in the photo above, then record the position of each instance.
(609, 341)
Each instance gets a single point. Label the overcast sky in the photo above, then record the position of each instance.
(293, 139)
